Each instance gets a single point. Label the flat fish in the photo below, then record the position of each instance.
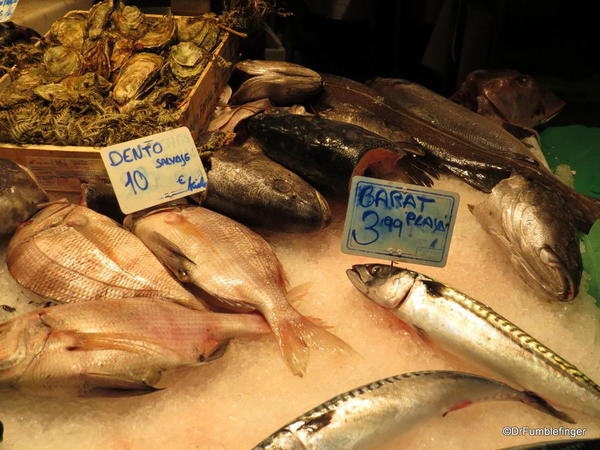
(236, 269)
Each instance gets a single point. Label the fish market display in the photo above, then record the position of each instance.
(112, 348)
(328, 152)
(372, 414)
(283, 83)
(69, 253)
(20, 195)
(470, 146)
(105, 77)
(469, 329)
(533, 225)
(238, 270)
(508, 96)
(247, 186)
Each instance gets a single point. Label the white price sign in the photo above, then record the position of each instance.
(7, 8)
(155, 169)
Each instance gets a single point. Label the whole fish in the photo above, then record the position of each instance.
(534, 226)
(508, 96)
(475, 149)
(338, 102)
(69, 253)
(247, 186)
(471, 330)
(567, 444)
(328, 153)
(376, 412)
(20, 195)
(112, 348)
(236, 268)
(281, 82)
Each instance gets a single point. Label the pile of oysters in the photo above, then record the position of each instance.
(106, 76)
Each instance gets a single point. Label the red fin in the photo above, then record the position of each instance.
(459, 406)
(383, 158)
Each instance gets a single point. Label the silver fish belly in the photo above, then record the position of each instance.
(471, 330)
(374, 413)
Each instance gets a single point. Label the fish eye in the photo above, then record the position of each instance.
(523, 80)
(183, 273)
(375, 270)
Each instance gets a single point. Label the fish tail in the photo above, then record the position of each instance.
(537, 402)
(296, 334)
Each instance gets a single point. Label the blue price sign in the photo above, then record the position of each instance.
(399, 221)
(7, 8)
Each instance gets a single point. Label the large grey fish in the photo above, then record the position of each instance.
(533, 225)
(281, 82)
(472, 147)
(112, 348)
(247, 186)
(328, 153)
(508, 96)
(471, 330)
(20, 195)
(236, 269)
(69, 253)
(376, 412)
(338, 102)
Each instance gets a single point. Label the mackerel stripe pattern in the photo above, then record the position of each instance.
(509, 329)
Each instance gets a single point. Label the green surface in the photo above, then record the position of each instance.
(579, 147)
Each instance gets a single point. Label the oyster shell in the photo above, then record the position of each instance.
(129, 21)
(186, 72)
(122, 51)
(96, 56)
(203, 32)
(98, 18)
(136, 76)
(87, 82)
(69, 31)
(185, 54)
(160, 34)
(62, 61)
(189, 27)
(56, 92)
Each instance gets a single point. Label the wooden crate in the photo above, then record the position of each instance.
(62, 169)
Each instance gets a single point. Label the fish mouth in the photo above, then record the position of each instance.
(355, 277)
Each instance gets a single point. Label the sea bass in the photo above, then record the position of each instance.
(328, 153)
(475, 149)
(112, 348)
(534, 226)
(508, 96)
(471, 330)
(376, 412)
(69, 253)
(20, 195)
(281, 82)
(236, 268)
(247, 186)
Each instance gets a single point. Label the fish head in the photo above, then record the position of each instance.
(386, 285)
(510, 96)
(21, 340)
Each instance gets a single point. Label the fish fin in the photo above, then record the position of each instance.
(296, 334)
(109, 385)
(382, 161)
(297, 293)
(418, 170)
(457, 407)
(172, 256)
(537, 402)
(110, 341)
